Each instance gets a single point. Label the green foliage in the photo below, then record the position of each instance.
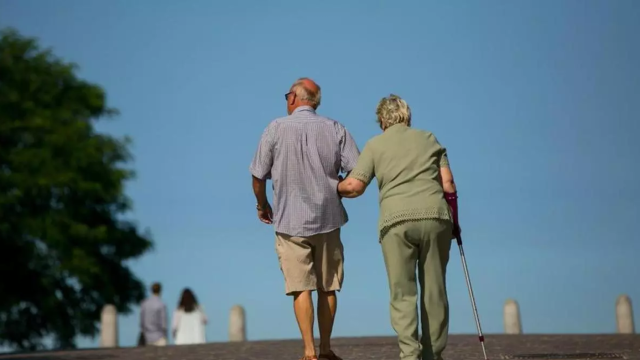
(63, 242)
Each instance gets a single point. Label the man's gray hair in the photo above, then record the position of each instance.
(313, 97)
(393, 110)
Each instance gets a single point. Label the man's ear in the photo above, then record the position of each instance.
(292, 98)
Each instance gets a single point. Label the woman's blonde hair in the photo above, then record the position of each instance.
(393, 110)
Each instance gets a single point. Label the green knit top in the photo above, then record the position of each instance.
(406, 162)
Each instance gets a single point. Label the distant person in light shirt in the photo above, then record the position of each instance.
(189, 320)
(153, 318)
(417, 223)
(303, 154)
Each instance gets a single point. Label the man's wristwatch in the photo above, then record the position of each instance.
(259, 208)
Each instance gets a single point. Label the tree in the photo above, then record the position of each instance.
(64, 241)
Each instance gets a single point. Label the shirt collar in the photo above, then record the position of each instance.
(304, 108)
(397, 127)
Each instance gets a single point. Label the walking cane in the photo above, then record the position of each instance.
(473, 300)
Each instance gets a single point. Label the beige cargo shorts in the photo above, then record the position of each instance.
(311, 263)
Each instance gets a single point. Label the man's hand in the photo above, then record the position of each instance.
(264, 209)
(265, 214)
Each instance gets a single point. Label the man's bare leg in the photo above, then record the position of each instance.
(327, 306)
(303, 307)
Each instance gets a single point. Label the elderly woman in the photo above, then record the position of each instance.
(418, 220)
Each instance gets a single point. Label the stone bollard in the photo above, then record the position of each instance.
(624, 315)
(109, 327)
(237, 324)
(512, 323)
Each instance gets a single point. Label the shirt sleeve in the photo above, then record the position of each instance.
(348, 150)
(364, 169)
(263, 159)
(443, 158)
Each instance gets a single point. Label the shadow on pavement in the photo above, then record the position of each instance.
(67, 355)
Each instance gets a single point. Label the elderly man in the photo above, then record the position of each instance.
(303, 154)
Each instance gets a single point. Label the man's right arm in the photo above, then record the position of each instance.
(262, 161)
(260, 169)
(260, 192)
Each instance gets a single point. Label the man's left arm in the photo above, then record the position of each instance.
(163, 315)
(349, 152)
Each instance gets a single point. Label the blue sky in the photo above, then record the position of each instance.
(536, 101)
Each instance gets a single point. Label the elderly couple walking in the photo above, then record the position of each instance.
(304, 154)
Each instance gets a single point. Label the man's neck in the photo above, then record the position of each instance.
(303, 107)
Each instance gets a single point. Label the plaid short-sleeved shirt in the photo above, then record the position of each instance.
(303, 154)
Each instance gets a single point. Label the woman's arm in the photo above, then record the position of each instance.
(448, 185)
(451, 196)
(450, 190)
(359, 178)
(351, 188)
(204, 315)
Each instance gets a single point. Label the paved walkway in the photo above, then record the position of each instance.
(461, 347)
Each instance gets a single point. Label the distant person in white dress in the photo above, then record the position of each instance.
(189, 320)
